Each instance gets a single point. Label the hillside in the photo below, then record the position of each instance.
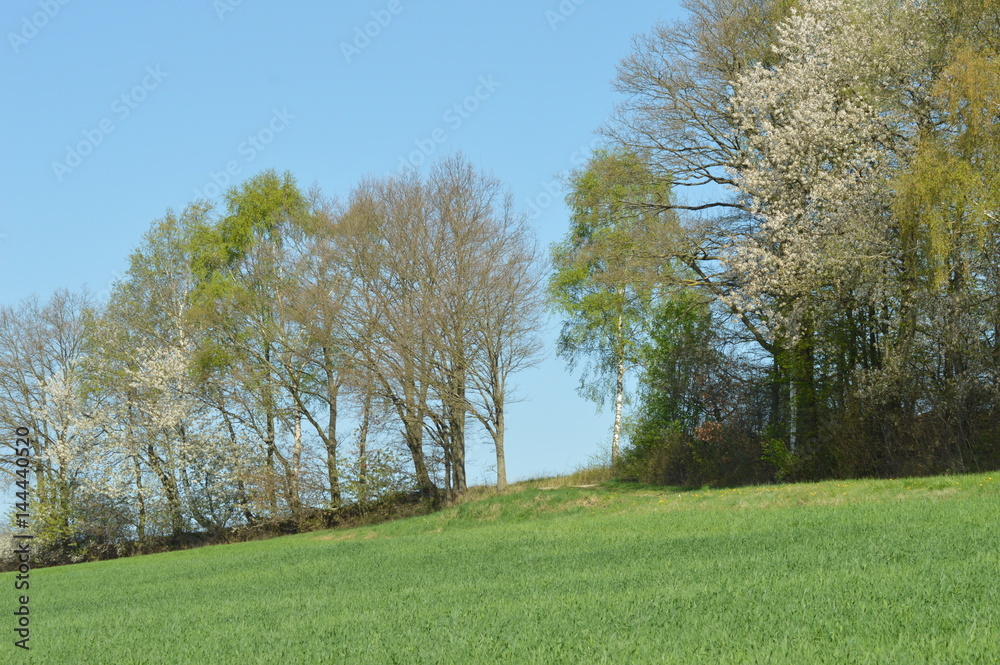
(898, 571)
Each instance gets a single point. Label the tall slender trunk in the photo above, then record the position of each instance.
(619, 391)
(274, 457)
(269, 435)
(366, 408)
(456, 429)
(296, 464)
(140, 527)
(449, 476)
(269, 442)
(776, 390)
(332, 461)
(498, 435)
(793, 413)
(169, 484)
(802, 391)
(241, 491)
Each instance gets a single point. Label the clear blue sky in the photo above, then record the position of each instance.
(115, 111)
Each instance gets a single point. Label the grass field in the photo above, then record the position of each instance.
(900, 571)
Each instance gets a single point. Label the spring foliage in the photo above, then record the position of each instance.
(854, 256)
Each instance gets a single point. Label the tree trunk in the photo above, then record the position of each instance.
(413, 434)
(272, 498)
(241, 495)
(332, 394)
(140, 527)
(296, 465)
(498, 442)
(802, 394)
(619, 398)
(169, 485)
(363, 447)
(456, 431)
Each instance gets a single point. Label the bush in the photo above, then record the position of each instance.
(716, 455)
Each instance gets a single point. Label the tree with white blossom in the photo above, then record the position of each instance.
(822, 133)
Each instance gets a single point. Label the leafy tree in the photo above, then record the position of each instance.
(605, 272)
(679, 384)
(164, 445)
(240, 264)
(855, 245)
(676, 115)
(823, 130)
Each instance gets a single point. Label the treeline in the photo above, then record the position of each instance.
(791, 243)
(208, 390)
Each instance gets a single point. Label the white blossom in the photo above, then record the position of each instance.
(821, 134)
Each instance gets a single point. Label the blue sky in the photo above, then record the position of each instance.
(116, 111)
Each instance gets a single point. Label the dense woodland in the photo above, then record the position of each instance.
(783, 264)
(791, 242)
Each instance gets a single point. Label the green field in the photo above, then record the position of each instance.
(895, 571)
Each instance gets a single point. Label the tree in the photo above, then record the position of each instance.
(676, 117)
(857, 249)
(162, 446)
(240, 266)
(823, 127)
(679, 385)
(314, 302)
(945, 202)
(441, 306)
(605, 271)
(676, 86)
(382, 242)
(42, 388)
(495, 299)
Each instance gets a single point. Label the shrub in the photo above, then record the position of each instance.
(716, 455)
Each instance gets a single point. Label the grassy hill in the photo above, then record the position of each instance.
(898, 571)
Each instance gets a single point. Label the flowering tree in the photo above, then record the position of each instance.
(823, 131)
(42, 386)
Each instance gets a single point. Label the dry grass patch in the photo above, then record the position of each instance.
(344, 536)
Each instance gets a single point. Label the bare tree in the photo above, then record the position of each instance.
(443, 305)
(494, 299)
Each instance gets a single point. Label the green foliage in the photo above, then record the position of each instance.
(380, 473)
(858, 260)
(255, 212)
(715, 455)
(786, 465)
(604, 271)
(680, 362)
(836, 572)
(684, 431)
